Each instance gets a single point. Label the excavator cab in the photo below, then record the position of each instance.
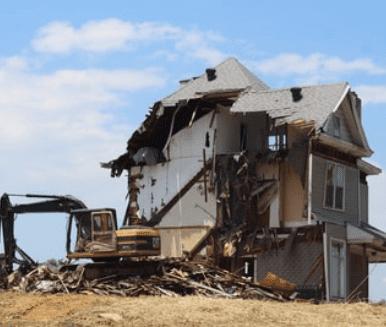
(95, 232)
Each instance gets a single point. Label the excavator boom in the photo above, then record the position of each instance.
(53, 203)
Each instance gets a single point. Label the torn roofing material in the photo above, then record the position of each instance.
(229, 75)
(309, 103)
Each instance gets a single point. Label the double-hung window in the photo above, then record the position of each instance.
(334, 188)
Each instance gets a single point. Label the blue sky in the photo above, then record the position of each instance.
(77, 76)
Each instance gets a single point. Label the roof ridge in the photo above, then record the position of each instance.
(244, 70)
(231, 63)
(291, 87)
(193, 79)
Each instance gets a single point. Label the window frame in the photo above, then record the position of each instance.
(343, 209)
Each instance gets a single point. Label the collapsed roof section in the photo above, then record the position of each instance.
(225, 81)
(232, 85)
(195, 98)
(314, 104)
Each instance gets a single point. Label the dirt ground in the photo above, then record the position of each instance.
(92, 310)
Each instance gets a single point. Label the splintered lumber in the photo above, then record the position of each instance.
(173, 278)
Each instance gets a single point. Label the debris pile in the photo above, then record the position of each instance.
(175, 278)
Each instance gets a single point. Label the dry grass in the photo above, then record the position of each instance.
(89, 310)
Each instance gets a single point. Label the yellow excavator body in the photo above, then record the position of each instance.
(99, 239)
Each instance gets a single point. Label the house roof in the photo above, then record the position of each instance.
(230, 75)
(316, 103)
(368, 168)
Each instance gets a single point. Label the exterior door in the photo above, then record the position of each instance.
(337, 269)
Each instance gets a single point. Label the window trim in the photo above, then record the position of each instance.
(343, 209)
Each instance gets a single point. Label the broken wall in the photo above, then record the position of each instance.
(177, 240)
(230, 127)
(294, 264)
(185, 223)
(292, 197)
(161, 182)
(271, 171)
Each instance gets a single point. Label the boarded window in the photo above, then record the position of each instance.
(334, 188)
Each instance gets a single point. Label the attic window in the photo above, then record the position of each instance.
(336, 126)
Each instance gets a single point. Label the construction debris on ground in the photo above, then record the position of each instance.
(173, 278)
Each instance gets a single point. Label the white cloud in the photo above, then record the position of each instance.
(316, 64)
(118, 35)
(98, 36)
(372, 93)
(25, 93)
(56, 128)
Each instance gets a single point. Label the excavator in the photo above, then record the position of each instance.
(97, 235)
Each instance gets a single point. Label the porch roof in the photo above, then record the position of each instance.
(372, 238)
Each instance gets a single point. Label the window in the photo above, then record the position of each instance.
(277, 139)
(103, 227)
(334, 188)
(273, 143)
(243, 137)
(336, 126)
(97, 222)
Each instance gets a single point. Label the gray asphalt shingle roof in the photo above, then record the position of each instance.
(230, 75)
(317, 102)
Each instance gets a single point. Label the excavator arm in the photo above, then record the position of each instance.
(52, 203)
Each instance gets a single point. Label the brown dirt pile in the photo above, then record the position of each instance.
(91, 310)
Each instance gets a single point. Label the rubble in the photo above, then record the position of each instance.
(174, 278)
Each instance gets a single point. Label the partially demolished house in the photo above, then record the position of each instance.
(259, 180)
